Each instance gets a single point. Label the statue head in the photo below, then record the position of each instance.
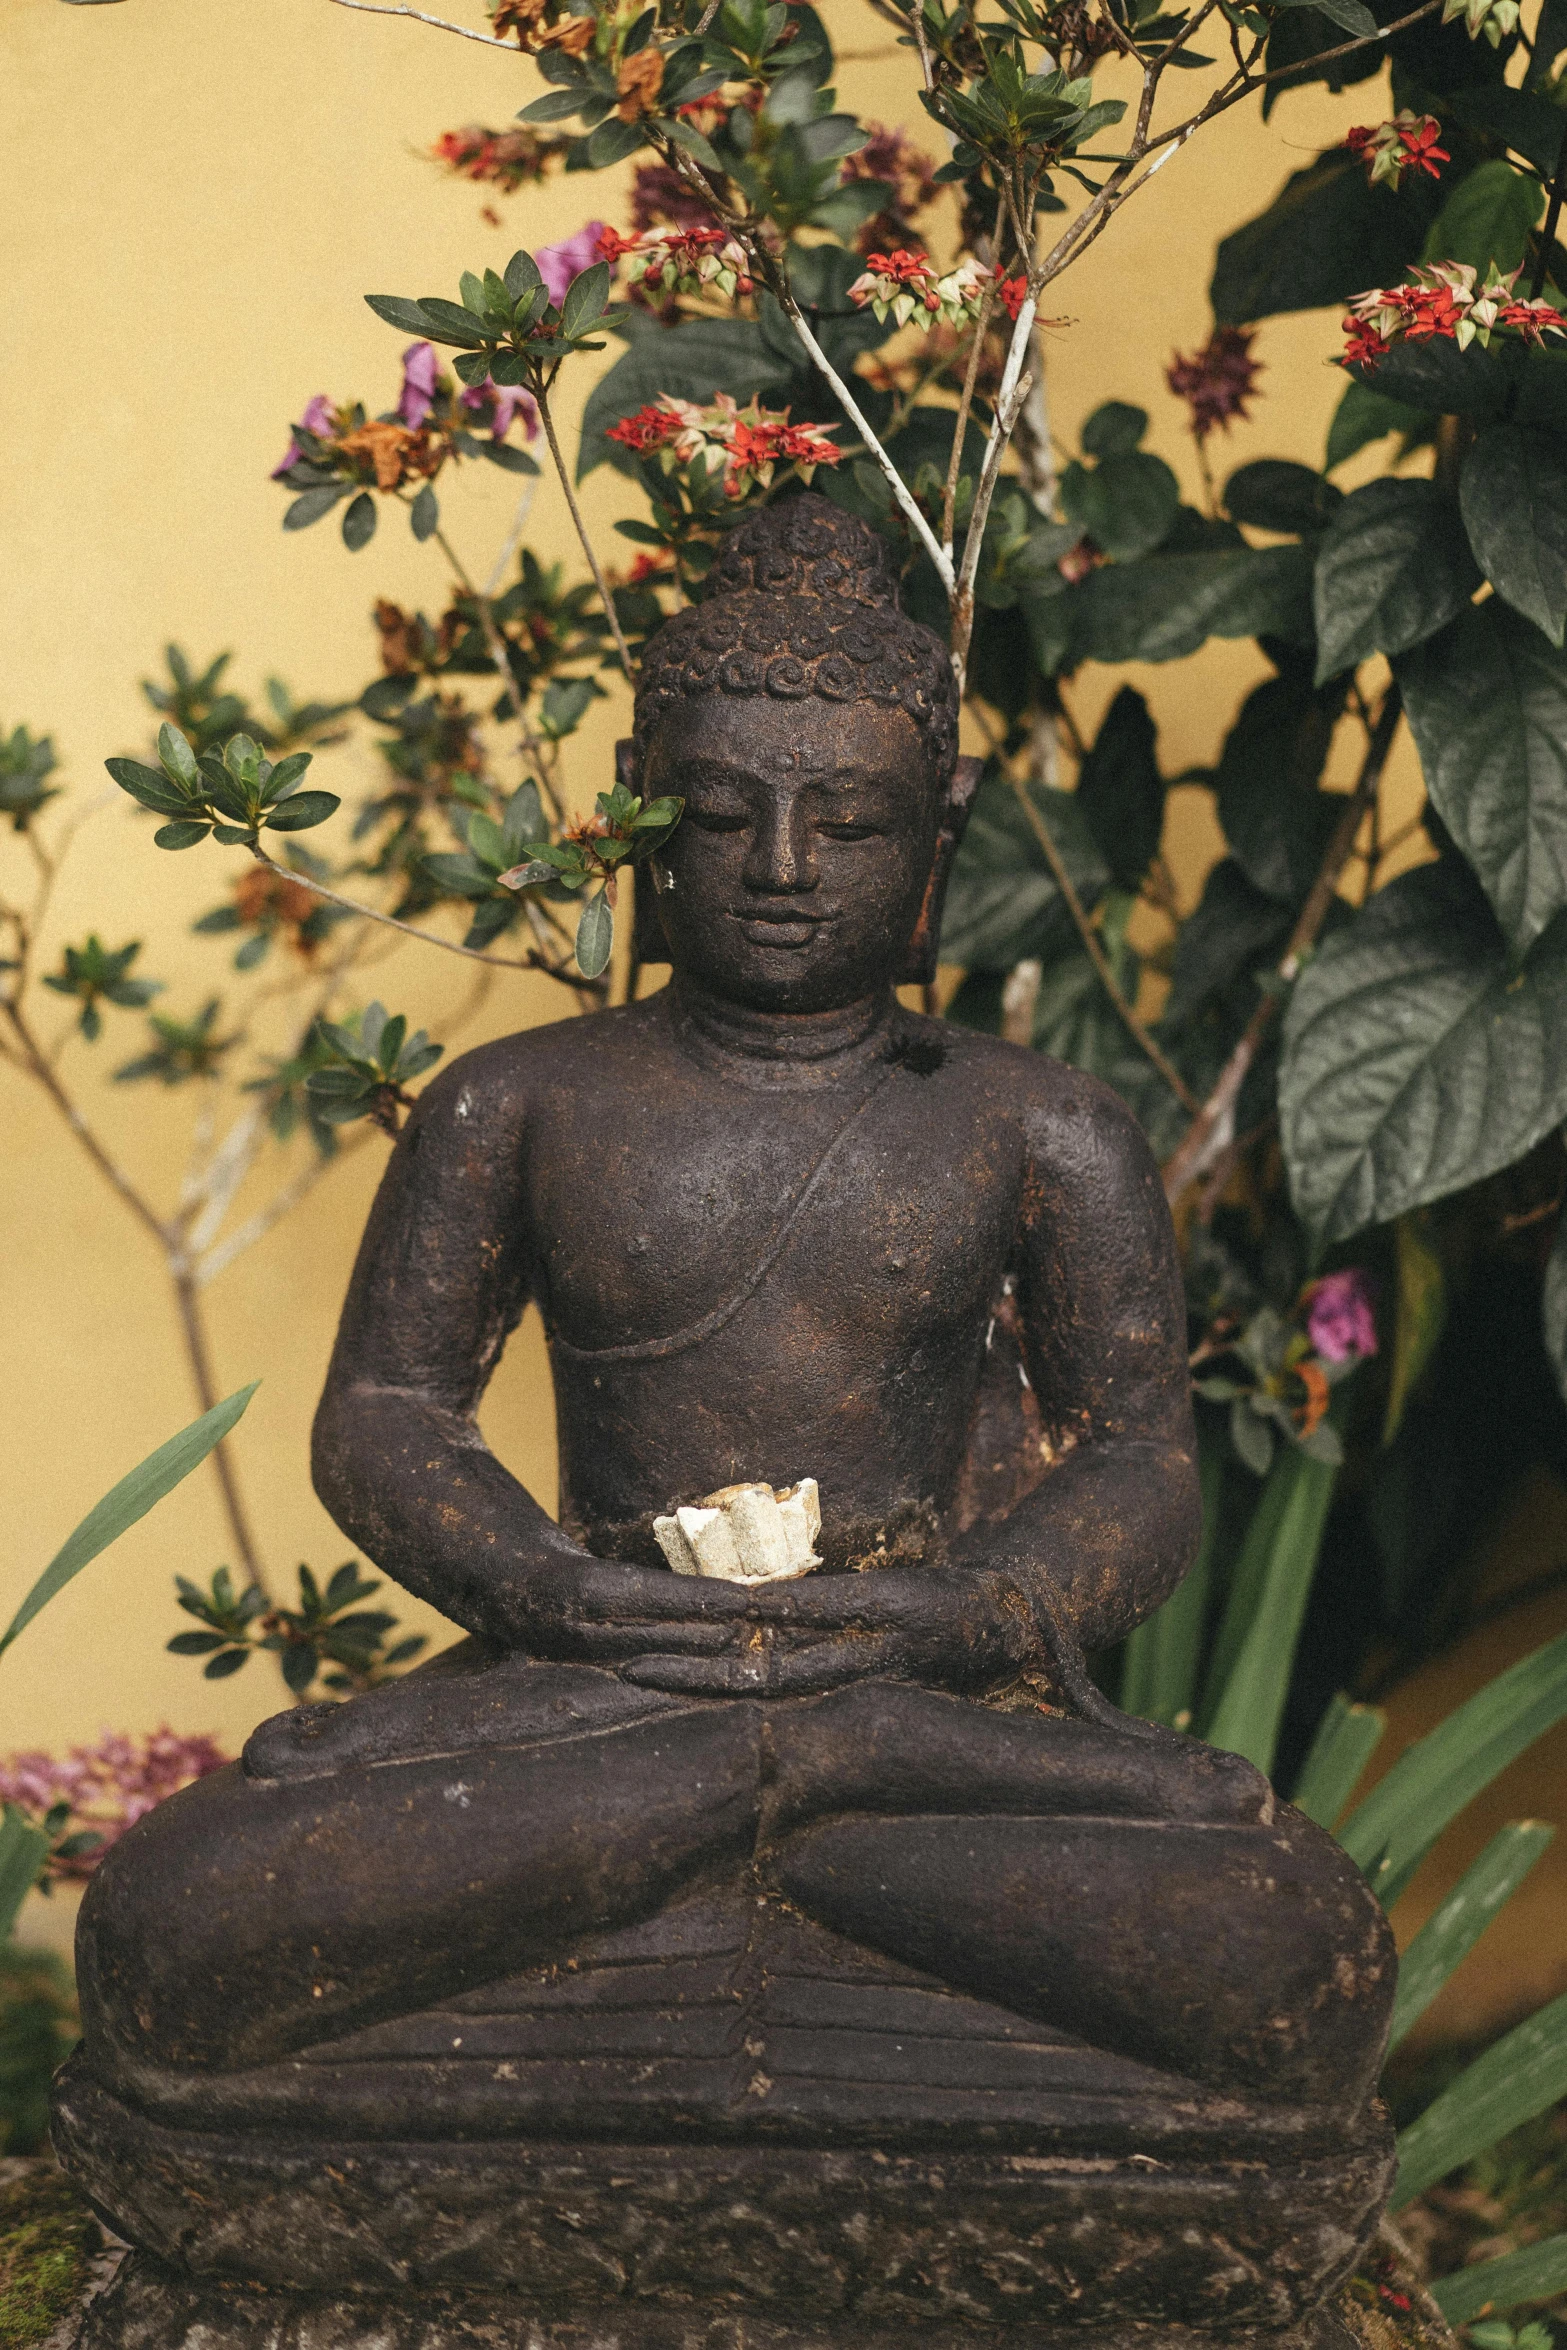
(811, 729)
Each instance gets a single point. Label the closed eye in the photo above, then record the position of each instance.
(849, 831)
(717, 819)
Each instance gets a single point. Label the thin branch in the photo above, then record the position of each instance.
(856, 415)
(599, 581)
(1095, 951)
(1213, 1129)
(114, 1174)
(966, 400)
(222, 1254)
(513, 538)
(1009, 401)
(391, 922)
(440, 23)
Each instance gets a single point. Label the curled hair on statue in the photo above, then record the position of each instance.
(803, 600)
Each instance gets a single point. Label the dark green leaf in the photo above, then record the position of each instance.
(1416, 1060)
(424, 515)
(1364, 415)
(1347, 1737)
(450, 322)
(399, 312)
(586, 297)
(1003, 903)
(1519, 2077)
(1487, 703)
(359, 522)
(1326, 235)
(1114, 429)
(1274, 818)
(1394, 567)
(613, 141)
(1487, 218)
(23, 1851)
(1513, 493)
(1126, 504)
(1538, 2273)
(305, 810)
(312, 506)
(1461, 1917)
(1507, 381)
(1121, 791)
(1270, 494)
(183, 834)
(595, 936)
(1164, 607)
(149, 785)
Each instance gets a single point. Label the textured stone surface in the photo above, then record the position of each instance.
(802, 2235)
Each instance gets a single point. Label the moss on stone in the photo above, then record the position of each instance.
(48, 2241)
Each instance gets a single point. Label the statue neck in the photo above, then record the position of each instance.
(783, 1049)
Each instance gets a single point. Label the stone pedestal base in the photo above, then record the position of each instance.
(153, 2306)
(316, 2244)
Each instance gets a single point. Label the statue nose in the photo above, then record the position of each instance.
(780, 858)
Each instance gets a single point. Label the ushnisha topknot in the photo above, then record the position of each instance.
(802, 600)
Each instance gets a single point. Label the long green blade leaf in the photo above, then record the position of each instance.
(131, 1499)
(1164, 1655)
(1510, 2084)
(1389, 1834)
(1272, 1584)
(23, 1849)
(1347, 1737)
(1538, 2273)
(1452, 1930)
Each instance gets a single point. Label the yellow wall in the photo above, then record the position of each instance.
(198, 193)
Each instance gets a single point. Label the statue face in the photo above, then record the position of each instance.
(797, 871)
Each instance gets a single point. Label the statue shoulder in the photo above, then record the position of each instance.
(499, 1084)
(1068, 1117)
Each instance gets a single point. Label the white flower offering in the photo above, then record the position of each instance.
(745, 1533)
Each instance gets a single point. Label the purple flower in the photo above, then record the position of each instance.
(420, 369)
(319, 418)
(559, 264)
(508, 401)
(1340, 1322)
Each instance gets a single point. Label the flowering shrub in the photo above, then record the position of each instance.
(690, 260)
(738, 447)
(908, 288)
(86, 1800)
(1442, 301)
(1407, 143)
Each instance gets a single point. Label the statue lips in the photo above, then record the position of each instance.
(773, 925)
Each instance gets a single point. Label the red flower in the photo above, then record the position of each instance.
(1013, 292)
(649, 428)
(1218, 380)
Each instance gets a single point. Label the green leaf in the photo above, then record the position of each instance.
(304, 810)
(595, 936)
(1538, 2273)
(1255, 1651)
(1164, 607)
(1416, 1058)
(1126, 504)
(359, 522)
(424, 515)
(1459, 1920)
(178, 759)
(1347, 1737)
(1002, 902)
(586, 298)
(1422, 1315)
(286, 777)
(1487, 218)
(1325, 236)
(1364, 415)
(23, 1851)
(1274, 818)
(1389, 1835)
(613, 141)
(1160, 1664)
(1393, 568)
(312, 505)
(131, 1499)
(450, 322)
(1351, 16)
(148, 785)
(1121, 791)
(1513, 493)
(399, 312)
(522, 276)
(183, 834)
(555, 105)
(1487, 704)
(1271, 494)
(1506, 382)
(1518, 2078)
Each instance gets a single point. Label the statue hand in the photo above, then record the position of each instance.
(601, 1611)
(950, 1628)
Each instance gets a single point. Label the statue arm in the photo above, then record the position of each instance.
(1114, 1526)
(440, 1282)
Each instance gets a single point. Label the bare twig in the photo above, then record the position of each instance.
(1095, 950)
(1009, 401)
(599, 581)
(1553, 213)
(196, 1348)
(1213, 1129)
(529, 962)
(440, 23)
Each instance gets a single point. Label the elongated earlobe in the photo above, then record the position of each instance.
(920, 963)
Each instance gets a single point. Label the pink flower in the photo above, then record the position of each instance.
(1339, 1320)
(420, 369)
(559, 264)
(506, 401)
(320, 418)
(109, 1787)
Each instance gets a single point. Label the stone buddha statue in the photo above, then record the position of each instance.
(679, 1958)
